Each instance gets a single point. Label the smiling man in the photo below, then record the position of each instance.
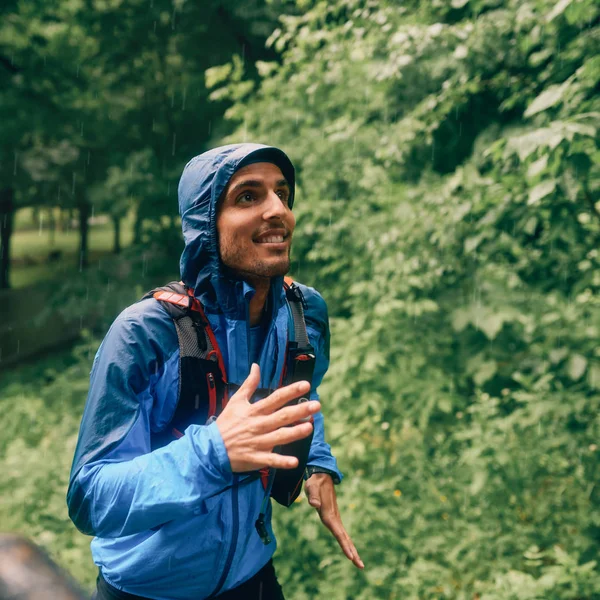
(191, 403)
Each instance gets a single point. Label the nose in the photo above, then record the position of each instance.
(275, 207)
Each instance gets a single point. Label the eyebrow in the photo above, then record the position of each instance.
(253, 183)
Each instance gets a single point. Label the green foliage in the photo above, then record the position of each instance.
(40, 411)
(449, 212)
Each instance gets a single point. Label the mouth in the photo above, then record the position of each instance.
(273, 239)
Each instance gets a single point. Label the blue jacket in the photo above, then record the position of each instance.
(176, 523)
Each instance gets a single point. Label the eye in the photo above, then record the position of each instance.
(245, 197)
(284, 195)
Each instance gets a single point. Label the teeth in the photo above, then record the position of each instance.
(274, 239)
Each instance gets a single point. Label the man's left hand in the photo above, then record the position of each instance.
(320, 491)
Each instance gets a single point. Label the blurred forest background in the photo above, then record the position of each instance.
(448, 210)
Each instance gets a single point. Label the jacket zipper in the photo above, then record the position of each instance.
(234, 536)
(234, 489)
(234, 492)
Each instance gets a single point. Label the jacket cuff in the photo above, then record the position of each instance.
(219, 447)
(312, 469)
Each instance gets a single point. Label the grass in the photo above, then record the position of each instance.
(31, 248)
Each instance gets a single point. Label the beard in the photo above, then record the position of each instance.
(246, 265)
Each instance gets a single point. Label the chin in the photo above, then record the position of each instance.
(278, 269)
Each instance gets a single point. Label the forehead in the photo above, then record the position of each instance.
(261, 171)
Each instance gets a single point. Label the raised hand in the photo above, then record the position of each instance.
(251, 431)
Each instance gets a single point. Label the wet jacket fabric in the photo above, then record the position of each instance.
(175, 523)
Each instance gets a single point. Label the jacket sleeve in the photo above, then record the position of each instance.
(317, 326)
(118, 486)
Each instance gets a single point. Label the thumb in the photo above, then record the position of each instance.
(250, 384)
(313, 497)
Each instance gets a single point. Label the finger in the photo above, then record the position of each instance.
(247, 389)
(281, 397)
(334, 524)
(290, 415)
(313, 496)
(285, 435)
(271, 459)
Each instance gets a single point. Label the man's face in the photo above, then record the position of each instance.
(255, 224)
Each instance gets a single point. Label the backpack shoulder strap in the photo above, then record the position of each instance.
(189, 321)
(296, 304)
(201, 368)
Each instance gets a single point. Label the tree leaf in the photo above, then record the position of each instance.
(485, 372)
(541, 191)
(548, 98)
(558, 9)
(577, 366)
(594, 377)
(536, 167)
(491, 325)
(460, 319)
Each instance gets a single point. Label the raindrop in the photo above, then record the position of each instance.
(173, 149)
(15, 165)
(209, 126)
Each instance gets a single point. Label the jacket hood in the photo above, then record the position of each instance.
(202, 182)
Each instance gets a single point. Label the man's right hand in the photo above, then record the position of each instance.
(251, 431)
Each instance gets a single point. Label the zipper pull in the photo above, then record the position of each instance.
(262, 530)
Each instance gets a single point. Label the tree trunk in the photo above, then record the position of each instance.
(137, 226)
(117, 231)
(7, 213)
(51, 226)
(84, 213)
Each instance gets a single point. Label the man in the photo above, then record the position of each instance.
(178, 522)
